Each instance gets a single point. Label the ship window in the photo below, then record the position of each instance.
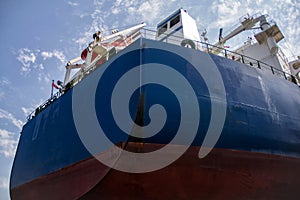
(162, 29)
(174, 21)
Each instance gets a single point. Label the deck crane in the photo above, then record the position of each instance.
(247, 23)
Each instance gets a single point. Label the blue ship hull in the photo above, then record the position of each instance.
(249, 111)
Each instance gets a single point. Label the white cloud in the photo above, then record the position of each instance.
(4, 84)
(32, 107)
(6, 115)
(2, 95)
(32, 62)
(46, 54)
(115, 10)
(73, 3)
(44, 77)
(227, 14)
(149, 10)
(121, 13)
(117, 3)
(26, 57)
(224, 8)
(41, 66)
(4, 81)
(98, 23)
(55, 53)
(27, 111)
(83, 40)
(8, 144)
(140, 11)
(3, 182)
(285, 13)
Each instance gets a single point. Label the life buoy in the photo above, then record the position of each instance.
(84, 54)
(188, 43)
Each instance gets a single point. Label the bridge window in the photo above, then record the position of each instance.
(162, 29)
(174, 21)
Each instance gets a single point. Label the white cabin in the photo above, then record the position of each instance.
(178, 28)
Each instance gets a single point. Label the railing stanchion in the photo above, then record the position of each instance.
(284, 75)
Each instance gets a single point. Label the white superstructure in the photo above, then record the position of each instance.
(179, 28)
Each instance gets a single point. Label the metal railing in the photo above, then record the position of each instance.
(209, 48)
(151, 34)
(46, 103)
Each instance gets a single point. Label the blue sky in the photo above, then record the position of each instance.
(39, 37)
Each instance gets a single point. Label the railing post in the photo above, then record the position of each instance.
(284, 75)
(272, 70)
(258, 65)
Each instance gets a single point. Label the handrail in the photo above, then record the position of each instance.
(151, 34)
(43, 105)
(208, 47)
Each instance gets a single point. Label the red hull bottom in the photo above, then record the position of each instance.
(223, 174)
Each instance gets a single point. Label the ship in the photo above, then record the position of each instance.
(164, 114)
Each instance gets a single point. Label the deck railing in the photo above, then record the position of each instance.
(151, 34)
(209, 48)
(53, 98)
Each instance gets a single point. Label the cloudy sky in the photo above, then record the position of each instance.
(39, 37)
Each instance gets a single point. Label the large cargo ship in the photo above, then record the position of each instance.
(163, 115)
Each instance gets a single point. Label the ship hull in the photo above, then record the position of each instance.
(248, 123)
(224, 174)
